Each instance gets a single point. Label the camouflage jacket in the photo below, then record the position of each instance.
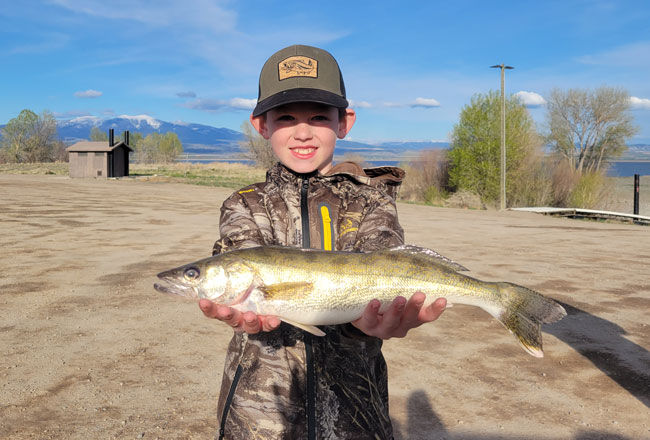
(287, 384)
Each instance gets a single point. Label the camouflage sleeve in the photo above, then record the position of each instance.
(380, 228)
(237, 226)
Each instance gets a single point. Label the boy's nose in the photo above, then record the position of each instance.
(302, 132)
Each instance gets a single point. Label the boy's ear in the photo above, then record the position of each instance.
(346, 122)
(259, 123)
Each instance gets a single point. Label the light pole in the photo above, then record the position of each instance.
(503, 67)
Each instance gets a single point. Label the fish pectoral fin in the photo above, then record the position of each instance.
(428, 254)
(308, 328)
(296, 290)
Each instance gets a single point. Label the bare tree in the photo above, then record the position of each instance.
(587, 127)
(256, 148)
(29, 138)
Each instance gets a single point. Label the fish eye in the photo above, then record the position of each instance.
(191, 273)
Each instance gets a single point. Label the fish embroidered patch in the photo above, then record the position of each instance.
(298, 66)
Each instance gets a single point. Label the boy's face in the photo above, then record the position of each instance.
(303, 134)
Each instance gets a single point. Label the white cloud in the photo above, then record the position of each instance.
(640, 103)
(205, 14)
(189, 94)
(629, 55)
(243, 103)
(88, 94)
(216, 105)
(530, 99)
(425, 103)
(359, 104)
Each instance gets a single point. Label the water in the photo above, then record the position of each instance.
(616, 169)
(629, 169)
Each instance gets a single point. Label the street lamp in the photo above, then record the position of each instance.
(503, 67)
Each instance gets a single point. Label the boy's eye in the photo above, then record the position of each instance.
(285, 118)
(320, 118)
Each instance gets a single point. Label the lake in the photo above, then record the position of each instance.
(617, 169)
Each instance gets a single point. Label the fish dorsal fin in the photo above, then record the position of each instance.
(428, 254)
(290, 290)
(308, 328)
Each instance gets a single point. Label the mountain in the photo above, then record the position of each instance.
(196, 138)
(205, 139)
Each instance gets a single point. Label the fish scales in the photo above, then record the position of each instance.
(307, 288)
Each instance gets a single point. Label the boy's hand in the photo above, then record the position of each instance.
(400, 317)
(247, 322)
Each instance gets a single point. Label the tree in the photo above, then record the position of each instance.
(29, 138)
(96, 135)
(256, 148)
(158, 148)
(588, 128)
(474, 155)
(170, 148)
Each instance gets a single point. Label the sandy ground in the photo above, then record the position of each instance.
(90, 350)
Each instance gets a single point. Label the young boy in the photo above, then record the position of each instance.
(279, 381)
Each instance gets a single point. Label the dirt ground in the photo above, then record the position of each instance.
(91, 351)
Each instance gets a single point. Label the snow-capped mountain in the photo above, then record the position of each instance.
(202, 136)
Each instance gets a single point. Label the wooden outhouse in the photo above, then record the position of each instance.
(100, 159)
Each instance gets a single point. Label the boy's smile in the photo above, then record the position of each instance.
(303, 134)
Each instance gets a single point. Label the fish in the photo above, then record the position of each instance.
(307, 287)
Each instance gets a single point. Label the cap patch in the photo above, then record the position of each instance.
(298, 66)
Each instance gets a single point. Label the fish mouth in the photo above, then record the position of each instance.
(171, 286)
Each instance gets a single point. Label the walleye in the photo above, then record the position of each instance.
(306, 288)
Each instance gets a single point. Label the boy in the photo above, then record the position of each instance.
(279, 381)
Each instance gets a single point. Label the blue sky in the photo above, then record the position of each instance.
(409, 66)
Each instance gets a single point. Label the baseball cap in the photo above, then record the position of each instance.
(300, 73)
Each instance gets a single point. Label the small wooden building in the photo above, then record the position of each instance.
(100, 159)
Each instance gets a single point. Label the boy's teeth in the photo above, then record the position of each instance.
(303, 150)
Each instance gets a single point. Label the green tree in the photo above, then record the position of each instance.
(474, 155)
(170, 148)
(29, 138)
(589, 127)
(158, 148)
(256, 148)
(96, 135)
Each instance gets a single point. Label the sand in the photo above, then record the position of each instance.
(90, 350)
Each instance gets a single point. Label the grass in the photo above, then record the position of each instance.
(228, 175)
(620, 195)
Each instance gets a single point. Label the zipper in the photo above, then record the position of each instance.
(327, 231)
(226, 407)
(309, 347)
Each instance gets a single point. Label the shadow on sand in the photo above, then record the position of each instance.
(424, 424)
(604, 344)
(599, 340)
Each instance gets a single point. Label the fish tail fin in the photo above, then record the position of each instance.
(525, 312)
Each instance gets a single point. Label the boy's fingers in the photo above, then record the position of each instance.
(251, 323)
(412, 309)
(434, 311)
(270, 323)
(370, 317)
(393, 316)
(208, 308)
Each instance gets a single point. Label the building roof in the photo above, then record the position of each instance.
(95, 146)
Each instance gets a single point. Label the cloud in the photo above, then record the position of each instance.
(392, 104)
(243, 103)
(203, 14)
(640, 103)
(216, 105)
(186, 94)
(530, 99)
(88, 94)
(424, 103)
(359, 104)
(71, 114)
(629, 55)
